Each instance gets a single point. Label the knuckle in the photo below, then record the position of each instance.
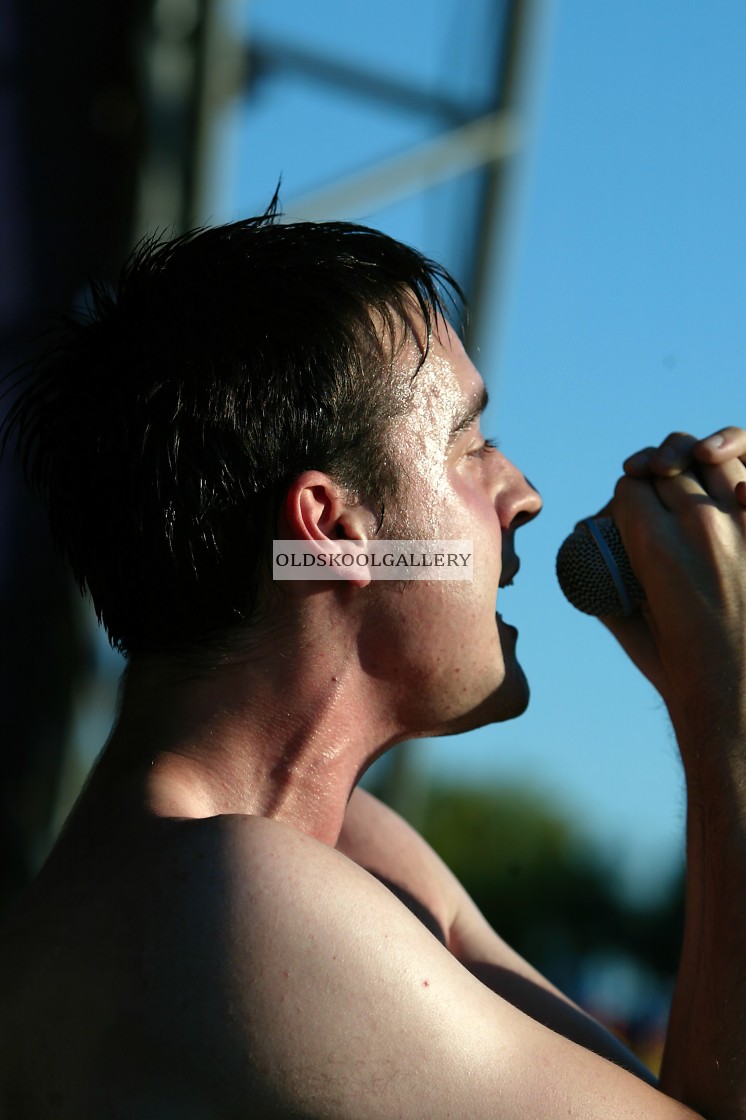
(680, 438)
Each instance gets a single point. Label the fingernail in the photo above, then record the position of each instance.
(714, 442)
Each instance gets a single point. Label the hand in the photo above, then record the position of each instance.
(680, 452)
(681, 511)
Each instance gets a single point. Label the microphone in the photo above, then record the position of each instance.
(594, 571)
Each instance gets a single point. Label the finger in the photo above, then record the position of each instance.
(638, 465)
(679, 451)
(740, 493)
(673, 456)
(722, 485)
(727, 443)
(722, 480)
(680, 491)
(635, 505)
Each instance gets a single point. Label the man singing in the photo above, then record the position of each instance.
(226, 927)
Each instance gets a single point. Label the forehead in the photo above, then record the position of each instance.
(443, 396)
(448, 391)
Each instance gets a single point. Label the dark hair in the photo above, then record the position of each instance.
(163, 427)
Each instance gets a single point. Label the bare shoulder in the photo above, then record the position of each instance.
(238, 967)
(349, 1007)
(379, 840)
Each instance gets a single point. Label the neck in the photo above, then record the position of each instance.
(285, 733)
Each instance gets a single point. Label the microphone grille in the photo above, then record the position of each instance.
(594, 571)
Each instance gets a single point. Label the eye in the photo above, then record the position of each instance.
(484, 449)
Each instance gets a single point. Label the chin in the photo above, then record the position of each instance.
(508, 700)
(512, 697)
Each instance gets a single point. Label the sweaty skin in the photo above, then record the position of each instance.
(226, 929)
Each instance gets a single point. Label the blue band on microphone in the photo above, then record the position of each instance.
(621, 589)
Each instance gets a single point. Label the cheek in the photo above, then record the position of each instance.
(438, 647)
(487, 564)
(460, 630)
(422, 502)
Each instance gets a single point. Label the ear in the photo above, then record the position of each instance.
(318, 514)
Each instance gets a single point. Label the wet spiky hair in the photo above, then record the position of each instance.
(162, 427)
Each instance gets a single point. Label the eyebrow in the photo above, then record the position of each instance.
(467, 418)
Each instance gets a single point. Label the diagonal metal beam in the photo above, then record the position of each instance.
(266, 58)
(483, 141)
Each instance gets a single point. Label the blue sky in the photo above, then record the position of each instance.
(617, 316)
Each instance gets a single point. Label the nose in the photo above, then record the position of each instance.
(517, 501)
